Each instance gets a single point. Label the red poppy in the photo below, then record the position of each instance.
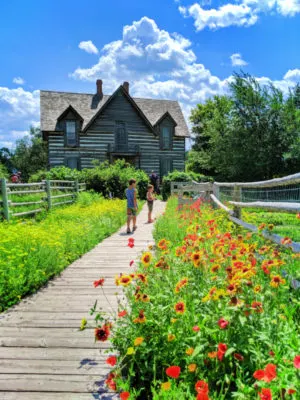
(100, 282)
(131, 263)
(130, 244)
(122, 313)
(222, 348)
(201, 386)
(271, 352)
(267, 375)
(202, 396)
(173, 371)
(297, 362)
(196, 328)
(102, 333)
(265, 394)
(223, 323)
(238, 357)
(111, 360)
(110, 382)
(124, 395)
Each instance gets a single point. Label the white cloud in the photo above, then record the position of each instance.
(240, 13)
(18, 80)
(89, 47)
(293, 75)
(226, 15)
(237, 60)
(18, 110)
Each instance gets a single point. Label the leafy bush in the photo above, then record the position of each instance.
(57, 173)
(107, 179)
(3, 171)
(210, 311)
(31, 252)
(177, 176)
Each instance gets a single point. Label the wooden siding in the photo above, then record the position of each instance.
(94, 143)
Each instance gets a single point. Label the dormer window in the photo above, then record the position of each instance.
(166, 137)
(71, 137)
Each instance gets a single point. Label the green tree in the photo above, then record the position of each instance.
(247, 135)
(30, 155)
(5, 157)
(3, 171)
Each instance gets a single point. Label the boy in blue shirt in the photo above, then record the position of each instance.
(131, 205)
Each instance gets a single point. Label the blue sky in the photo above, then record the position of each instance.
(185, 50)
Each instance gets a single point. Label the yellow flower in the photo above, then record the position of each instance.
(138, 341)
(146, 259)
(166, 386)
(192, 367)
(130, 351)
(171, 337)
(83, 324)
(189, 351)
(173, 320)
(257, 289)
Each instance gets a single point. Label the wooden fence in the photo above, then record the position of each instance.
(46, 195)
(206, 190)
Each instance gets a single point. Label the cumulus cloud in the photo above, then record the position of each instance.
(237, 60)
(240, 13)
(18, 80)
(88, 46)
(18, 110)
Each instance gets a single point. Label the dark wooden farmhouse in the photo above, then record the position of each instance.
(80, 128)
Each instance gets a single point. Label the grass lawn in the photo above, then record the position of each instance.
(32, 251)
(210, 314)
(285, 224)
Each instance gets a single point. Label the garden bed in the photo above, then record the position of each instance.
(212, 315)
(32, 252)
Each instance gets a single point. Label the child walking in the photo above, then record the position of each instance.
(131, 205)
(150, 201)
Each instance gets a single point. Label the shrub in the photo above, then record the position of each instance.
(177, 176)
(110, 180)
(3, 171)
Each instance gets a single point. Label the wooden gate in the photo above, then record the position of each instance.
(188, 192)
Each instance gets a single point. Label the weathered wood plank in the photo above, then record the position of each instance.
(54, 396)
(274, 206)
(59, 353)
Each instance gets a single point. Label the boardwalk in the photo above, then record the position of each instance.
(43, 355)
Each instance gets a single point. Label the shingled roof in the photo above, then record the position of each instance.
(53, 104)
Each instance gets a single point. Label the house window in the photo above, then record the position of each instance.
(71, 137)
(166, 138)
(121, 139)
(72, 162)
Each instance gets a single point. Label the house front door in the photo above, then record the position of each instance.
(166, 166)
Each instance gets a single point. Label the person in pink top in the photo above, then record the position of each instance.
(150, 201)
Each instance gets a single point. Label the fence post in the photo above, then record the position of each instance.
(48, 193)
(237, 196)
(76, 188)
(4, 199)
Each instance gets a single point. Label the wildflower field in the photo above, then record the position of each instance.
(31, 251)
(211, 314)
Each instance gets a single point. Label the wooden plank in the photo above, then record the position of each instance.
(51, 383)
(54, 396)
(274, 206)
(55, 367)
(20, 214)
(26, 203)
(49, 342)
(52, 354)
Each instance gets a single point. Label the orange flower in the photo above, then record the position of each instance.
(166, 386)
(192, 367)
(162, 244)
(125, 280)
(189, 351)
(141, 318)
(212, 354)
(196, 258)
(138, 341)
(180, 307)
(183, 282)
(257, 306)
(171, 337)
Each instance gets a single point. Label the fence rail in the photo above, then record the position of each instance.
(67, 191)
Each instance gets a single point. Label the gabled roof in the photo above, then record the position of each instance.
(88, 106)
(165, 115)
(66, 112)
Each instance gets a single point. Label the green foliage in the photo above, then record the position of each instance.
(30, 154)
(107, 179)
(5, 158)
(177, 176)
(33, 252)
(251, 134)
(3, 171)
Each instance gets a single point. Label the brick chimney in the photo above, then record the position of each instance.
(126, 86)
(99, 87)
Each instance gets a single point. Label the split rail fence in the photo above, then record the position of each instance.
(280, 194)
(39, 196)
